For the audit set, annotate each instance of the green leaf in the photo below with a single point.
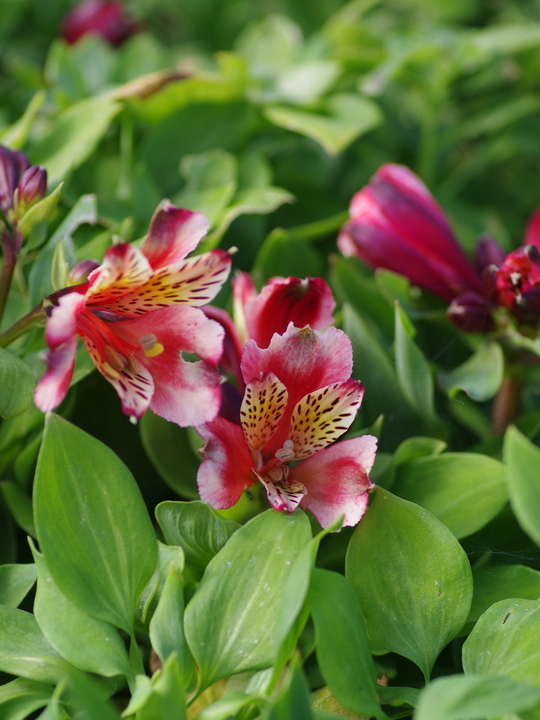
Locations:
(84, 211)
(16, 385)
(472, 697)
(283, 255)
(416, 447)
(342, 644)
(168, 447)
(480, 377)
(19, 698)
(25, 651)
(231, 621)
(167, 628)
(464, 490)
(150, 595)
(20, 506)
(42, 210)
(294, 702)
(504, 641)
(15, 136)
(73, 136)
(196, 527)
(87, 696)
(92, 524)
(347, 117)
(412, 578)
(413, 371)
(165, 697)
(15, 583)
(522, 459)
(498, 582)
(87, 643)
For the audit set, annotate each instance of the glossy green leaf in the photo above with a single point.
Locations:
(149, 598)
(167, 446)
(471, 697)
(504, 641)
(19, 698)
(522, 459)
(20, 506)
(16, 385)
(412, 578)
(231, 622)
(480, 376)
(83, 495)
(15, 583)
(413, 371)
(87, 643)
(464, 490)
(88, 698)
(342, 644)
(24, 650)
(294, 702)
(167, 628)
(196, 527)
(498, 582)
(347, 117)
(73, 136)
(165, 697)
(417, 447)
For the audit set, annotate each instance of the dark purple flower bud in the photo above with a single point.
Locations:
(106, 18)
(81, 271)
(488, 252)
(397, 225)
(32, 187)
(472, 313)
(12, 165)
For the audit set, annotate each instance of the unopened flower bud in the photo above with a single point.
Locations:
(31, 188)
(12, 165)
(488, 252)
(106, 18)
(81, 271)
(472, 313)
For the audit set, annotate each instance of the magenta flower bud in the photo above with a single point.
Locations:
(472, 313)
(488, 252)
(397, 225)
(106, 18)
(32, 187)
(80, 272)
(12, 165)
(517, 284)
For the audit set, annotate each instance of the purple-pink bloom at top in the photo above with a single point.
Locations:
(136, 313)
(106, 18)
(299, 398)
(396, 224)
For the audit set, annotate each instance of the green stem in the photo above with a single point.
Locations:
(35, 318)
(9, 258)
(319, 228)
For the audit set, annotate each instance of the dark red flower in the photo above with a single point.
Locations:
(105, 18)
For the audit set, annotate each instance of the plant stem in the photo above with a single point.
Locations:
(35, 318)
(9, 258)
(506, 405)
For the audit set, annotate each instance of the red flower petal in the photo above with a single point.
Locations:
(173, 234)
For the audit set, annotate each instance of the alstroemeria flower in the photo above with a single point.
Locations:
(396, 224)
(136, 314)
(299, 399)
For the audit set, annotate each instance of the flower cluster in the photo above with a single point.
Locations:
(397, 225)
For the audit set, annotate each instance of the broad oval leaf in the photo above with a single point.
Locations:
(504, 641)
(523, 461)
(480, 376)
(87, 643)
(92, 524)
(412, 578)
(20, 697)
(16, 385)
(231, 621)
(464, 490)
(196, 527)
(499, 582)
(24, 650)
(470, 697)
(342, 643)
(15, 583)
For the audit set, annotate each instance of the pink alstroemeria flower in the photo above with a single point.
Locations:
(136, 314)
(299, 399)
